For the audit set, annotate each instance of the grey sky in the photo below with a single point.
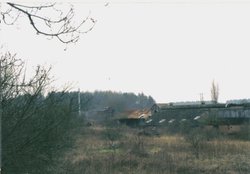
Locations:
(171, 51)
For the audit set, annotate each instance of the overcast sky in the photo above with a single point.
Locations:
(171, 51)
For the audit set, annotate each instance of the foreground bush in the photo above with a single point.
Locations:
(34, 126)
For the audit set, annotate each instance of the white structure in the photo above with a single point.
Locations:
(183, 120)
(162, 120)
(171, 121)
(150, 120)
(197, 117)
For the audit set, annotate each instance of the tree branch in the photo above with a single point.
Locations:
(67, 32)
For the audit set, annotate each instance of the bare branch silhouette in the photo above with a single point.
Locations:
(63, 27)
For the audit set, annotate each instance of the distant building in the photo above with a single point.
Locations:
(184, 103)
(227, 113)
(137, 117)
(100, 115)
(238, 101)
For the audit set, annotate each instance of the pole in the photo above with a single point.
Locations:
(202, 98)
(79, 102)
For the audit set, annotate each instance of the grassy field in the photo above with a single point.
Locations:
(98, 149)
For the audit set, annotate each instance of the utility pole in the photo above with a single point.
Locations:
(79, 102)
(202, 98)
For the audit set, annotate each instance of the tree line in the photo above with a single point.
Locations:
(119, 101)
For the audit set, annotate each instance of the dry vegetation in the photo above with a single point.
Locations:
(125, 150)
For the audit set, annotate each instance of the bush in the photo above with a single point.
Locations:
(245, 131)
(196, 139)
(112, 135)
(33, 126)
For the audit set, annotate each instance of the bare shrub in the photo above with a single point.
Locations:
(138, 146)
(112, 135)
(245, 131)
(34, 126)
(196, 139)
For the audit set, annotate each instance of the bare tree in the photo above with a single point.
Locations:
(214, 92)
(48, 20)
(30, 122)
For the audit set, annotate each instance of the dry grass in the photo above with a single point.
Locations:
(132, 153)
